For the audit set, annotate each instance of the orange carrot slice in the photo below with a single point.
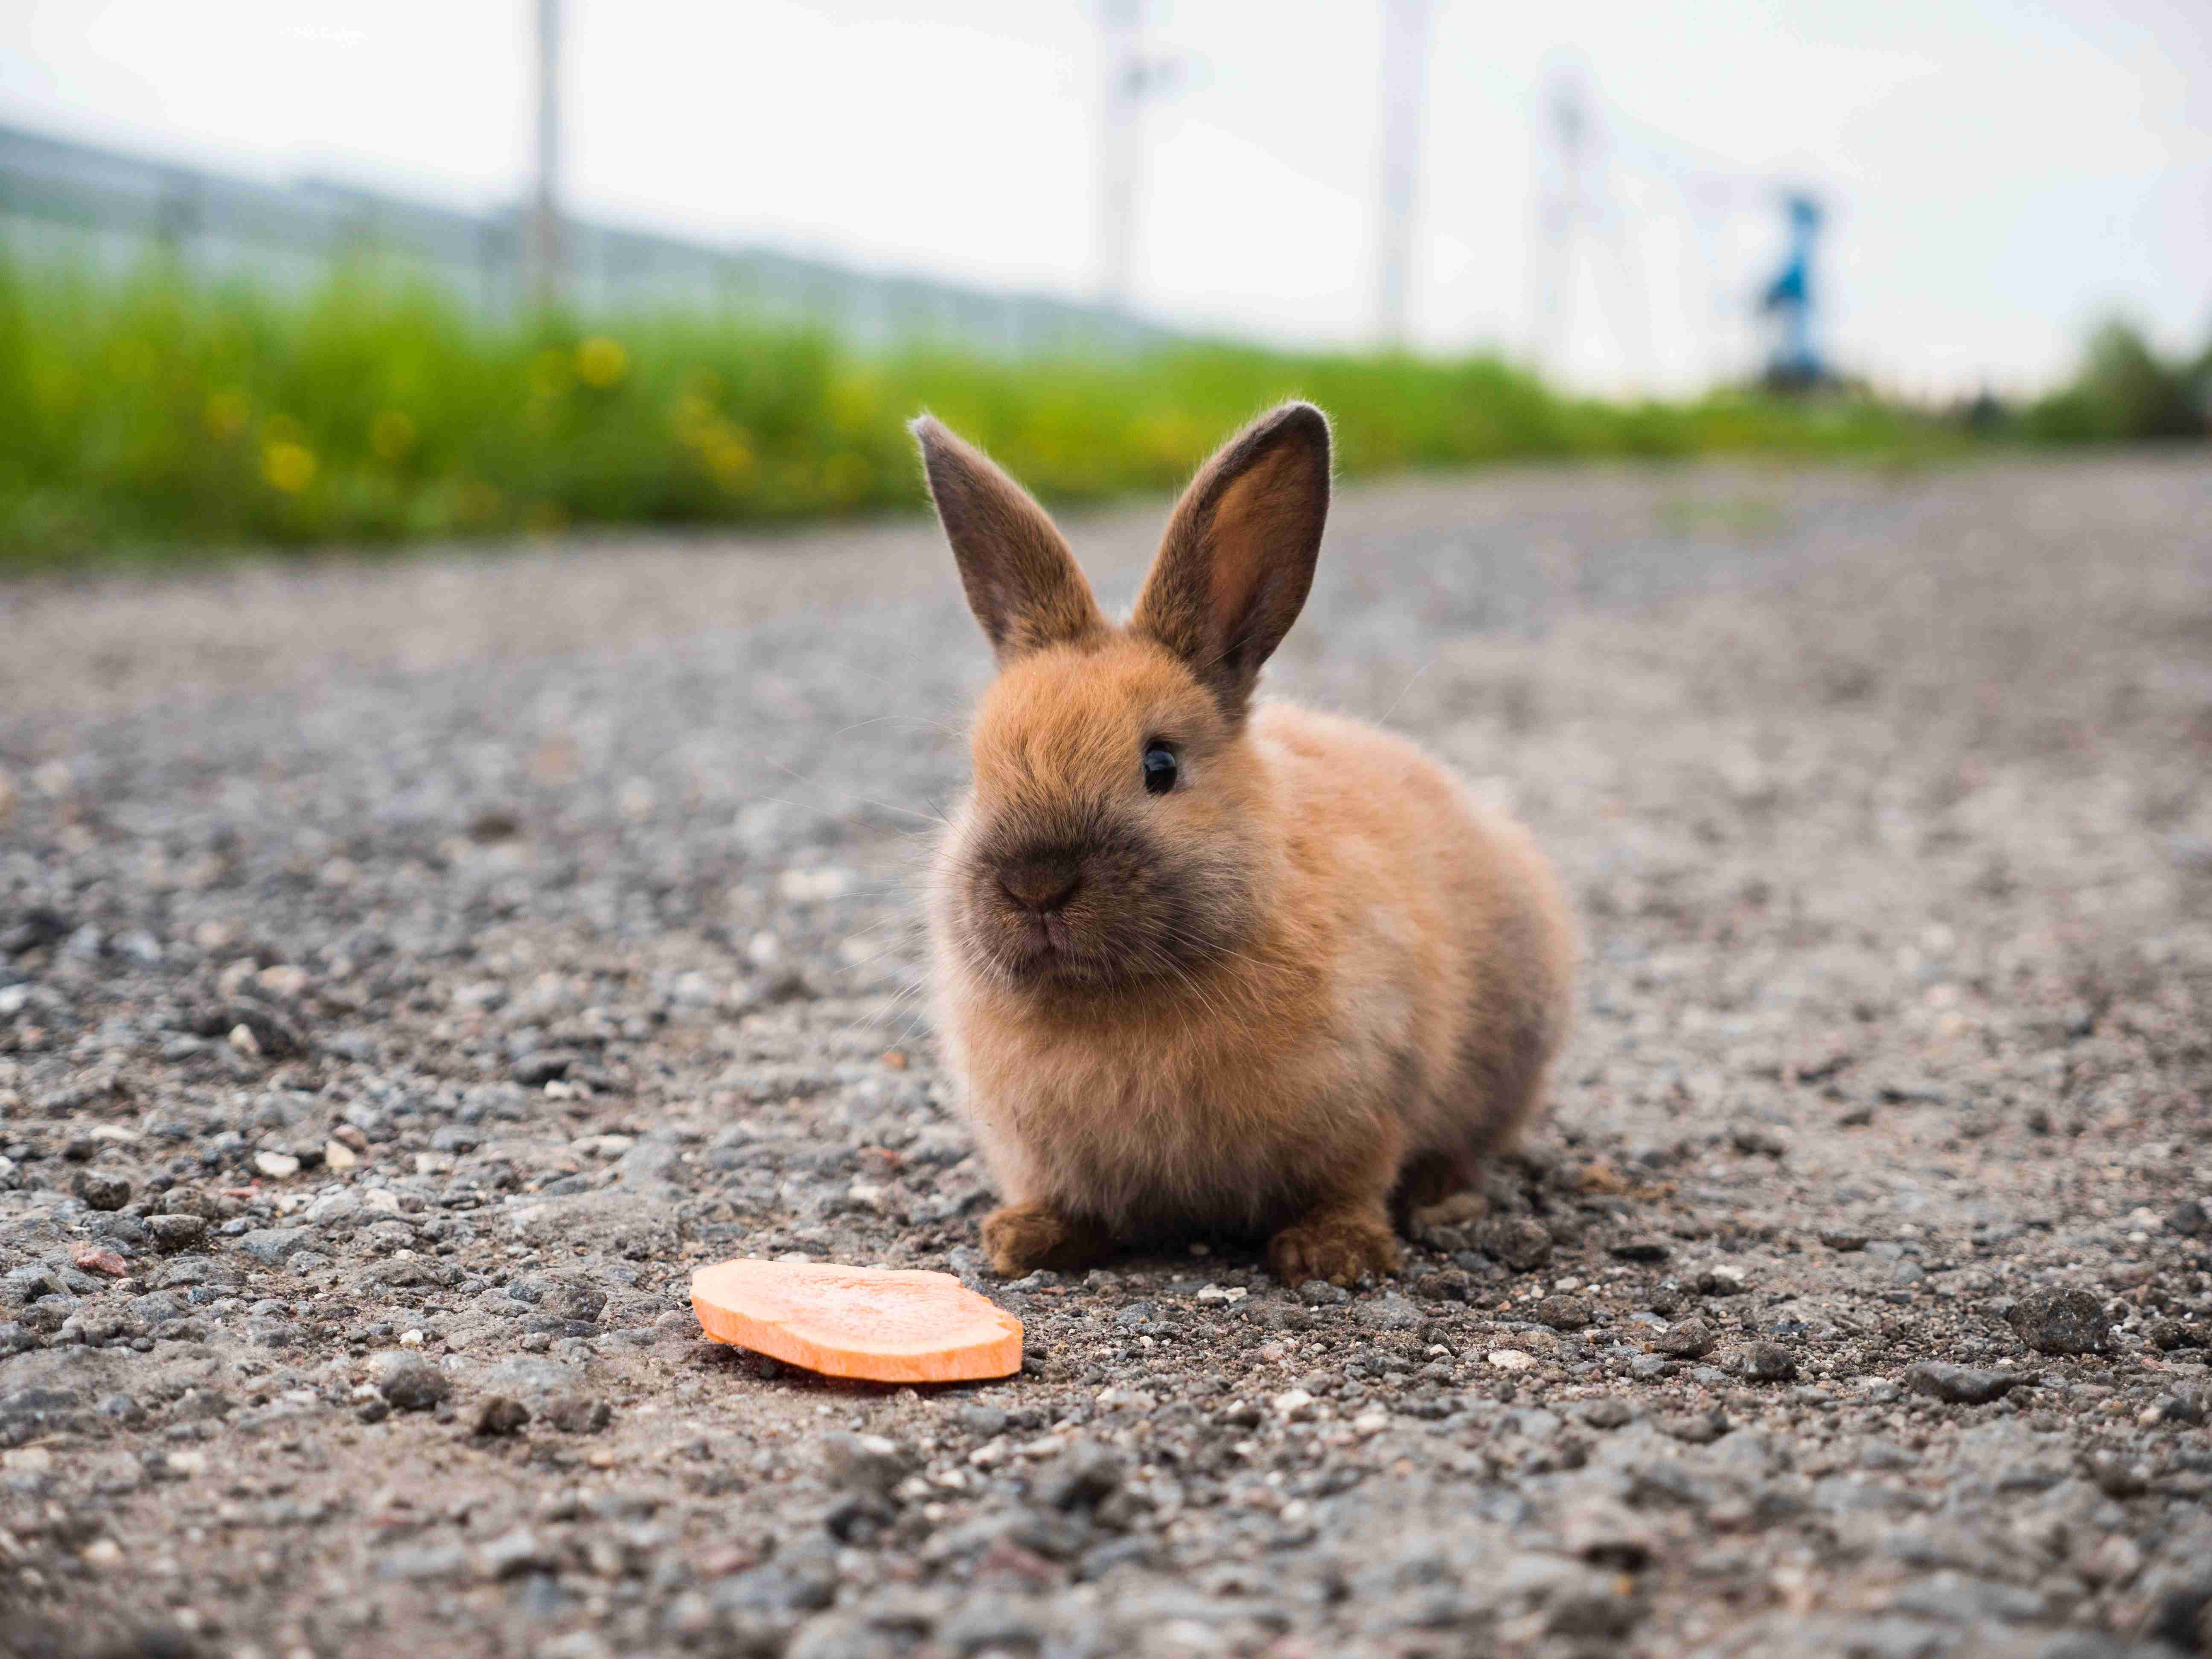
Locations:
(889, 1325)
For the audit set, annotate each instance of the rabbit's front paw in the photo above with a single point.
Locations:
(1023, 1237)
(1338, 1246)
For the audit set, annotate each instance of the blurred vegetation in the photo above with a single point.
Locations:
(2125, 392)
(159, 416)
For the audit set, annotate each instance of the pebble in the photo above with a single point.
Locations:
(502, 1414)
(1522, 1245)
(408, 1382)
(101, 1191)
(1687, 1339)
(1084, 1476)
(277, 1166)
(176, 1233)
(2066, 1320)
(1765, 1361)
(273, 1244)
(1511, 1359)
(1960, 1385)
(1562, 1313)
(866, 1463)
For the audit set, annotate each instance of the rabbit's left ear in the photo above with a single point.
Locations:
(1238, 557)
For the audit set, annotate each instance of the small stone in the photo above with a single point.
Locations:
(514, 1552)
(1564, 1313)
(1960, 1385)
(2167, 1335)
(1606, 1414)
(1765, 1361)
(2189, 1218)
(1727, 1280)
(101, 1191)
(339, 1156)
(866, 1463)
(578, 1414)
(106, 1263)
(1752, 1141)
(103, 1554)
(1605, 1534)
(1843, 1243)
(1522, 1245)
(1642, 1250)
(174, 1232)
(409, 1381)
(1689, 1338)
(1511, 1359)
(277, 1166)
(2117, 1478)
(1314, 1293)
(1388, 1312)
(1084, 1476)
(1699, 1429)
(2189, 1407)
(2065, 1321)
(273, 1244)
(502, 1414)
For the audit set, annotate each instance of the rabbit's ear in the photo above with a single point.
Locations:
(1238, 557)
(1023, 583)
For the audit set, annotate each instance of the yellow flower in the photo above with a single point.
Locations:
(601, 361)
(693, 419)
(226, 415)
(289, 467)
(391, 434)
(731, 458)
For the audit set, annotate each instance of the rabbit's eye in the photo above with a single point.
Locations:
(1160, 767)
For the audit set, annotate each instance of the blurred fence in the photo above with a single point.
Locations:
(82, 204)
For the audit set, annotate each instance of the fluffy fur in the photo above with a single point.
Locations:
(1314, 983)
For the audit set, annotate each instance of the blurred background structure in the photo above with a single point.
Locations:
(1604, 228)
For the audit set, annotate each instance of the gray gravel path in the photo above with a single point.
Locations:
(408, 972)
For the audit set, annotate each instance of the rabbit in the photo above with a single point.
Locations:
(1205, 969)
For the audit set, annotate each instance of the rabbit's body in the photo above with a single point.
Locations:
(1309, 979)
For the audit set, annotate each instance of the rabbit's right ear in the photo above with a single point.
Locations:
(1023, 584)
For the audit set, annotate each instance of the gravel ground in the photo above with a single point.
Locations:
(409, 972)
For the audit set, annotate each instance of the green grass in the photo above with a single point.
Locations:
(162, 417)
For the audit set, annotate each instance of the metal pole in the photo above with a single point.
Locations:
(1122, 103)
(1405, 85)
(548, 284)
(1561, 211)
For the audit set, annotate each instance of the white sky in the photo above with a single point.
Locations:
(2004, 172)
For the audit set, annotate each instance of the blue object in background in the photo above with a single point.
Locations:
(1790, 298)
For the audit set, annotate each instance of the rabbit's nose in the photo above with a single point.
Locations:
(1041, 885)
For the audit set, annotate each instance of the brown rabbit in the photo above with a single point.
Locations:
(1205, 969)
